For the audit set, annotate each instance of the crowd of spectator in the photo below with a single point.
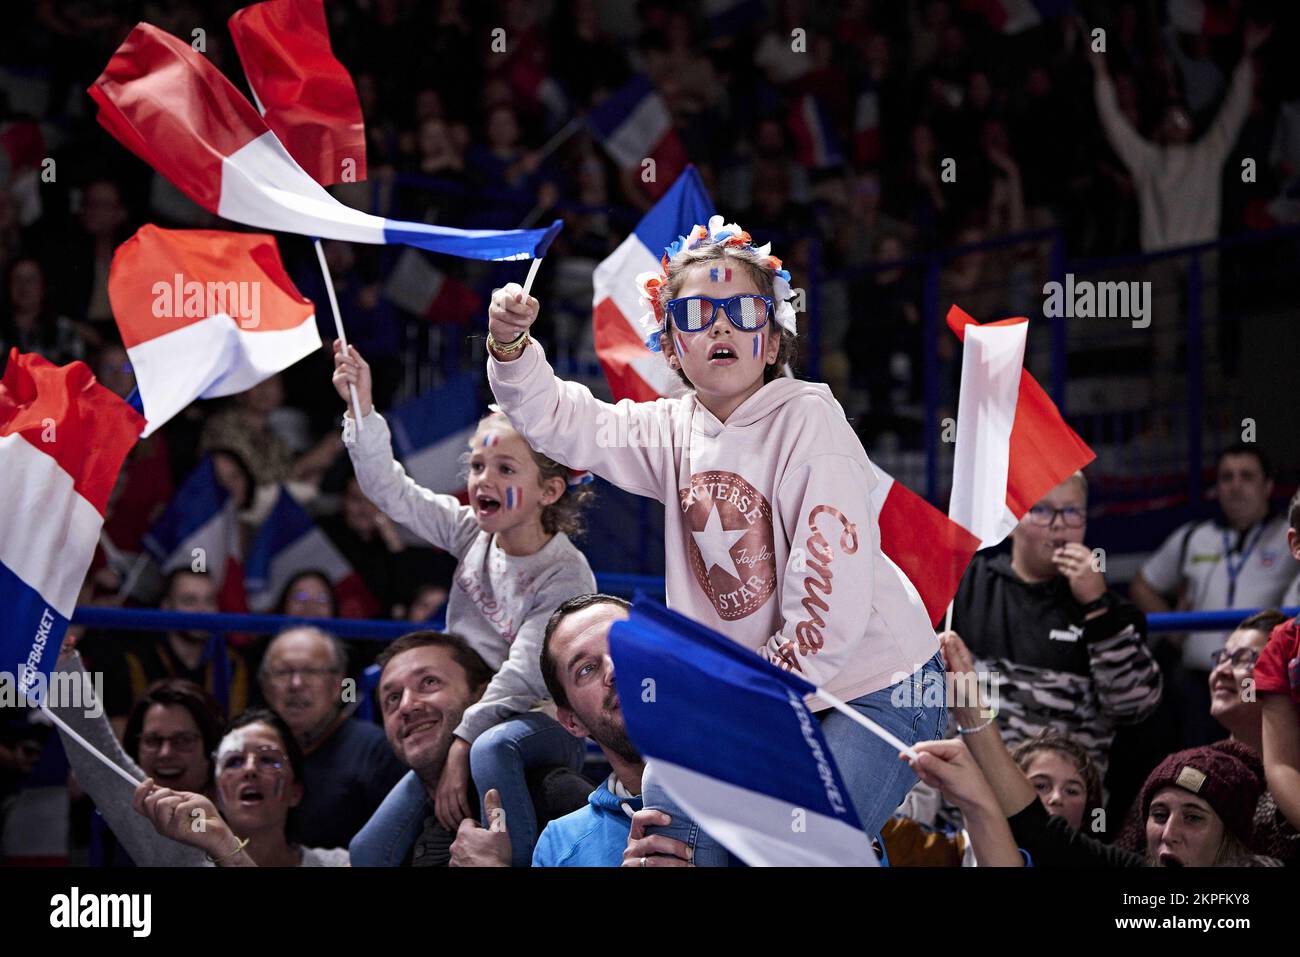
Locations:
(1102, 715)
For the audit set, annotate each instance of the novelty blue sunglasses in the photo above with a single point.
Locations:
(748, 313)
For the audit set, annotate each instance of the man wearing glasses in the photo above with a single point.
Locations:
(1061, 649)
(348, 767)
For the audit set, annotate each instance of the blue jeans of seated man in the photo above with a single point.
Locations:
(389, 835)
(875, 777)
(500, 758)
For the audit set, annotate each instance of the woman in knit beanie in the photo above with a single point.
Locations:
(1199, 809)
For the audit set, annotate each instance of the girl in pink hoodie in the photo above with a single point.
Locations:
(769, 531)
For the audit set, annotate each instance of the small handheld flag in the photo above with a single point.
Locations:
(763, 760)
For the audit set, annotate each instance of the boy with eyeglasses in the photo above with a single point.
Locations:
(1063, 651)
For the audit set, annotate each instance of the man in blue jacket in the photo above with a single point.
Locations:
(610, 830)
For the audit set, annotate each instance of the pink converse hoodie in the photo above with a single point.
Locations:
(768, 526)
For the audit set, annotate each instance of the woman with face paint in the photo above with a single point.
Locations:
(258, 780)
(516, 563)
(196, 821)
(769, 529)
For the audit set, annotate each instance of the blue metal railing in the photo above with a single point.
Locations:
(220, 625)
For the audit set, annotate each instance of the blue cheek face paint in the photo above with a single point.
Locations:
(755, 345)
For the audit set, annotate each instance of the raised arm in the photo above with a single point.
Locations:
(631, 444)
(1013, 790)
(439, 519)
(1137, 153)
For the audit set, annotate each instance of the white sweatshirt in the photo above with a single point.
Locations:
(499, 603)
(768, 526)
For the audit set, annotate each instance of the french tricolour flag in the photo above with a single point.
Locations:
(199, 529)
(432, 431)
(205, 313)
(303, 92)
(634, 125)
(929, 547)
(290, 543)
(1015, 438)
(1016, 16)
(816, 143)
(177, 112)
(733, 742)
(63, 438)
(633, 371)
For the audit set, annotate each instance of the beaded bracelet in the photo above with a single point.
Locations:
(971, 731)
(979, 727)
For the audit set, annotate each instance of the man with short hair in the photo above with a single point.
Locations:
(1240, 560)
(348, 767)
(611, 829)
(1064, 651)
(427, 681)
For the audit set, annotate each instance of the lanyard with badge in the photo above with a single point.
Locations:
(1234, 568)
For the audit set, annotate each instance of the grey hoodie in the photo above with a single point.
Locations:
(499, 603)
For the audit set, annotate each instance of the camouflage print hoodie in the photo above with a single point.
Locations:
(1050, 668)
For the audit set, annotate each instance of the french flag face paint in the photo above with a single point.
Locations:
(491, 439)
(720, 274)
(514, 497)
(682, 347)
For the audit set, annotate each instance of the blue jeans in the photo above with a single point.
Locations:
(876, 778)
(705, 851)
(499, 759)
(389, 835)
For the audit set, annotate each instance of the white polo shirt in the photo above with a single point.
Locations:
(1221, 568)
